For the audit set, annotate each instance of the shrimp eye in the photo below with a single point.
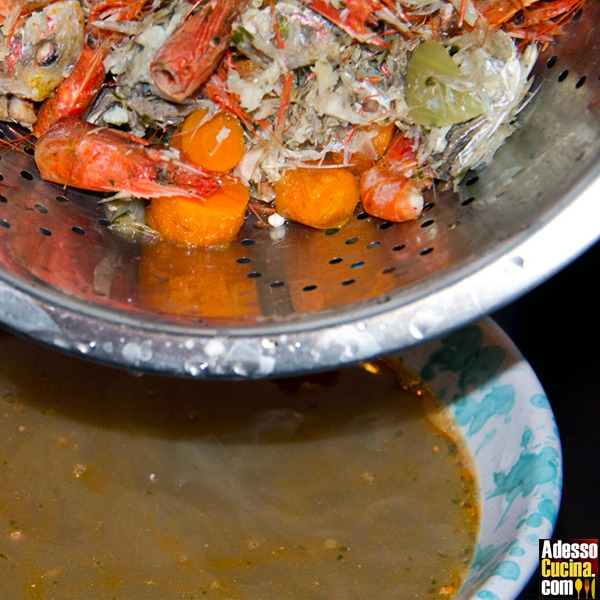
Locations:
(91, 41)
(46, 54)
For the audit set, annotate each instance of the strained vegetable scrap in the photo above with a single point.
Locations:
(396, 94)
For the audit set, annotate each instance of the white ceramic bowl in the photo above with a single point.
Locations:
(506, 418)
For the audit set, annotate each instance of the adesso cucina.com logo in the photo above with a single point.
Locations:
(568, 569)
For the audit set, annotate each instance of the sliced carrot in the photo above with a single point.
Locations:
(216, 144)
(320, 198)
(215, 220)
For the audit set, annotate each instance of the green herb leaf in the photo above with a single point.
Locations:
(437, 93)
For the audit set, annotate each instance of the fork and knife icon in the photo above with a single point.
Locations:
(586, 586)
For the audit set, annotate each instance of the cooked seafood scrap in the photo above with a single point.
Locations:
(325, 52)
(134, 100)
(500, 74)
(158, 69)
(308, 36)
(305, 87)
(341, 88)
(123, 164)
(17, 110)
(195, 49)
(41, 51)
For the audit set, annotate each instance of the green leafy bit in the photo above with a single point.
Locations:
(437, 92)
(239, 34)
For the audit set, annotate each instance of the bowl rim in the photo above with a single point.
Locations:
(501, 572)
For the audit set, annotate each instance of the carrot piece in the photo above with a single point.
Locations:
(216, 144)
(215, 220)
(382, 138)
(320, 198)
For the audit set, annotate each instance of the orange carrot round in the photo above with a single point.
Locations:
(317, 197)
(190, 222)
(216, 144)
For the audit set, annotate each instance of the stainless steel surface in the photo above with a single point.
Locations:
(294, 300)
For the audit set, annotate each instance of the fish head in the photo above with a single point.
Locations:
(42, 50)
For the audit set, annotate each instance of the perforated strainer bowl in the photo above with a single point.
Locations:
(293, 300)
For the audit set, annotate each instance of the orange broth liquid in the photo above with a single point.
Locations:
(347, 485)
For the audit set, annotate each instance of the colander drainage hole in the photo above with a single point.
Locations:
(362, 216)
(78, 230)
(388, 270)
(27, 175)
(564, 74)
(336, 261)
(309, 288)
(551, 61)
(580, 82)
(373, 245)
(61, 199)
(467, 201)
(358, 264)
(254, 275)
(428, 223)
(426, 251)
(352, 240)
(472, 180)
(247, 242)
(104, 222)
(398, 248)
(348, 282)
(41, 209)
(45, 231)
(4, 223)
(3, 199)
(277, 284)
(244, 260)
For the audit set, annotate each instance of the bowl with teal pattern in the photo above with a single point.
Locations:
(505, 417)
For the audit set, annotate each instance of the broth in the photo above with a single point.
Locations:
(345, 485)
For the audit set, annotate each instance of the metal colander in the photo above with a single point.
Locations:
(292, 300)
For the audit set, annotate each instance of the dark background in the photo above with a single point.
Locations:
(557, 328)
